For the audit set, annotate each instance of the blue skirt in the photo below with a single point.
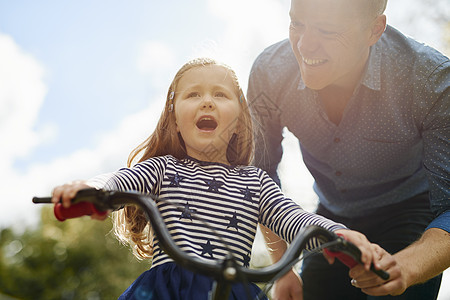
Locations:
(172, 282)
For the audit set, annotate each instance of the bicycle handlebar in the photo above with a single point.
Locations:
(92, 201)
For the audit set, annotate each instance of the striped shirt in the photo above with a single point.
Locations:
(221, 205)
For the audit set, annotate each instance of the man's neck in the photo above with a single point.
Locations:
(334, 100)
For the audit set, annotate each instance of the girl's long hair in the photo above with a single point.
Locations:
(130, 224)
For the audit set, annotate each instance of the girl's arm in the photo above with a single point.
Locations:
(140, 178)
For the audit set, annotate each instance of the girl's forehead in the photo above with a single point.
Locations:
(209, 74)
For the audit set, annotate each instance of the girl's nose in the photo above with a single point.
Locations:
(207, 102)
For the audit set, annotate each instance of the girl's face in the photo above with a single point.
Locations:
(207, 110)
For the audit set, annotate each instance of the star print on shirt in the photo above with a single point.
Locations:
(187, 213)
(208, 249)
(213, 185)
(233, 221)
(243, 172)
(180, 163)
(248, 195)
(246, 260)
(175, 180)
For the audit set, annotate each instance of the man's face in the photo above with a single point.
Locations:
(330, 40)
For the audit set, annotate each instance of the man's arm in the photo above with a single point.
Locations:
(419, 262)
(290, 286)
(430, 256)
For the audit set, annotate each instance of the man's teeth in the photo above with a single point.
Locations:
(312, 61)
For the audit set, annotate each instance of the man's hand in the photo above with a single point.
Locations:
(415, 264)
(373, 285)
(288, 287)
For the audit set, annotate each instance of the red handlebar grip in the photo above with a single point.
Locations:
(344, 258)
(76, 210)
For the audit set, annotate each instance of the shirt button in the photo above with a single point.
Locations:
(338, 173)
(337, 140)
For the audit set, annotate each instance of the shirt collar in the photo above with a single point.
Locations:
(372, 75)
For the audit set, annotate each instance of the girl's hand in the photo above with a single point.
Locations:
(65, 193)
(370, 253)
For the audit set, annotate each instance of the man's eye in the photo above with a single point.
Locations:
(296, 25)
(326, 32)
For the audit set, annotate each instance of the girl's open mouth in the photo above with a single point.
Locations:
(206, 124)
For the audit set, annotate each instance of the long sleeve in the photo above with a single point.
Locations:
(286, 218)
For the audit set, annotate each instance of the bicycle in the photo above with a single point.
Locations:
(225, 272)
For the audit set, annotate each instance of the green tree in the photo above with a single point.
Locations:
(75, 259)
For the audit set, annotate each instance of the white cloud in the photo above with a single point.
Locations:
(154, 56)
(109, 154)
(424, 20)
(22, 93)
(250, 27)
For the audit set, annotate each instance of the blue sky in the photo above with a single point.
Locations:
(89, 51)
(83, 82)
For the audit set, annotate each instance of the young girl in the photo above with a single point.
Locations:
(198, 158)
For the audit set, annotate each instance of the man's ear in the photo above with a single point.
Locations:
(377, 29)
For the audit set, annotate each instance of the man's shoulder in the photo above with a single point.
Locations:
(276, 66)
(401, 49)
(278, 54)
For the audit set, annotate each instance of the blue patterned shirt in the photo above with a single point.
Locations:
(211, 209)
(392, 143)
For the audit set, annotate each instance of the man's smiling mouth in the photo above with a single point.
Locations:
(313, 62)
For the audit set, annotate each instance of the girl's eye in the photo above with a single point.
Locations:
(220, 94)
(193, 95)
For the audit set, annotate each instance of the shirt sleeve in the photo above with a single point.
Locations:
(285, 217)
(441, 222)
(436, 140)
(144, 177)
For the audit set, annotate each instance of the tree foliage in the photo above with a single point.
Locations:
(75, 259)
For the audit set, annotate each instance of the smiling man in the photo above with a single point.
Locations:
(370, 108)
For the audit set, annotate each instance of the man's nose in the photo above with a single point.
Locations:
(307, 42)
